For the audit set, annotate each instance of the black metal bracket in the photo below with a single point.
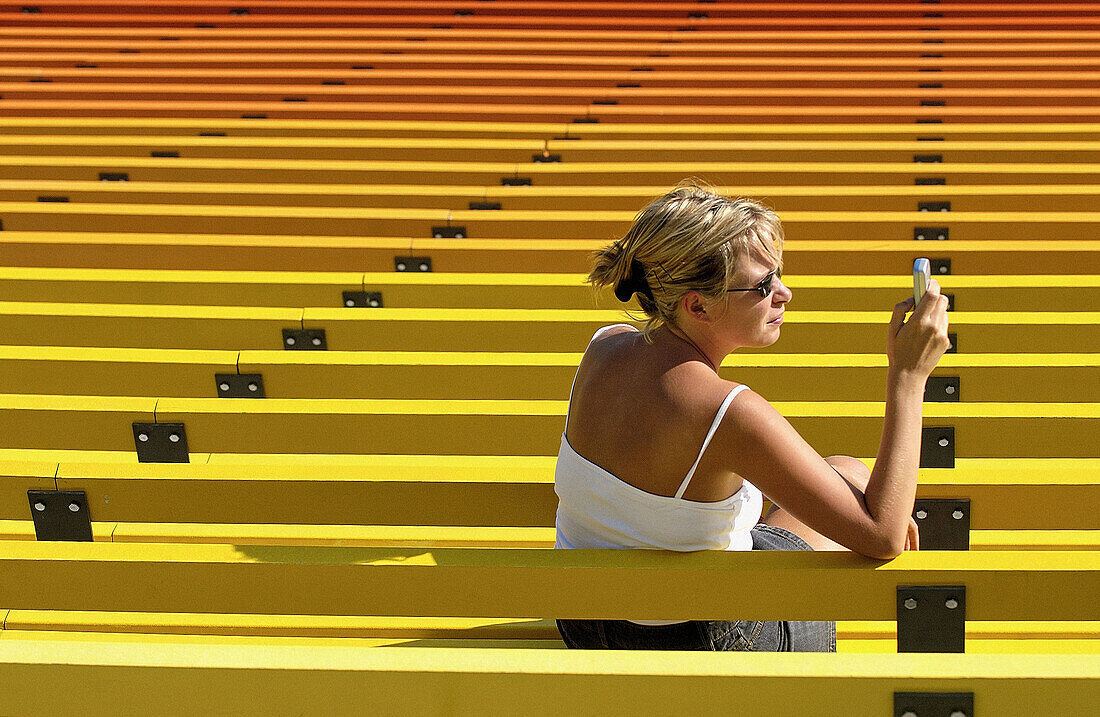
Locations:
(933, 704)
(942, 389)
(60, 515)
(587, 120)
(546, 158)
(114, 177)
(933, 103)
(933, 206)
(929, 181)
(940, 267)
(931, 618)
(240, 385)
(931, 233)
(369, 299)
(412, 263)
(449, 232)
(53, 199)
(937, 447)
(515, 181)
(304, 340)
(952, 343)
(950, 301)
(928, 158)
(944, 523)
(161, 443)
(491, 206)
(165, 154)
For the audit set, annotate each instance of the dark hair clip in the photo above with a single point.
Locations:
(634, 283)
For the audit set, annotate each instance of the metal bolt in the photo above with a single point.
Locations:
(957, 515)
(924, 209)
(940, 237)
(943, 269)
(349, 302)
(459, 235)
(922, 514)
(920, 236)
(74, 507)
(950, 390)
(438, 235)
(290, 341)
(944, 443)
(316, 341)
(401, 266)
(223, 386)
(253, 387)
(909, 713)
(40, 506)
(958, 713)
(374, 302)
(951, 603)
(174, 437)
(423, 267)
(910, 604)
(943, 209)
(143, 437)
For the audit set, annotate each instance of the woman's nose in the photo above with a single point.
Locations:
(782, 292)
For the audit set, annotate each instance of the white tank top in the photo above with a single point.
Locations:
(596, 509)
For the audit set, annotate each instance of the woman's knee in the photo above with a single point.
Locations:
(853, 469)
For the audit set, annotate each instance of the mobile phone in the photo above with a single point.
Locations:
(922, 274)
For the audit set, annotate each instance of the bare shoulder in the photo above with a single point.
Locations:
(614, 330)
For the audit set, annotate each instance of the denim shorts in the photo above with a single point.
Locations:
(713, 635)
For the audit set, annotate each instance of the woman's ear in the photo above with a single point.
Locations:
(694, 307)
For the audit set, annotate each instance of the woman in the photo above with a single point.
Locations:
(658, 450)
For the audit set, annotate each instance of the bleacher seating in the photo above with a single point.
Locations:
(292, 296)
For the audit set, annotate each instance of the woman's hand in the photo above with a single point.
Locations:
(912, 538)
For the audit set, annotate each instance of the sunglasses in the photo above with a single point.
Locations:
(765, 285)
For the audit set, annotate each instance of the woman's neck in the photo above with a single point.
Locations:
(696, 344)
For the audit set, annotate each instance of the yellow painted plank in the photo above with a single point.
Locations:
(481, 490)
(564, 583)
(143, 250)
(151, 326)
(497, 290)
(251, 532)
(116, 372)
(551, 174)
(494, 330)
(1025, 634)
(1055, 430)
(244, 678)
(71, 422)
(562, 329)
(450, 149)
(454, 128)
(513, 224)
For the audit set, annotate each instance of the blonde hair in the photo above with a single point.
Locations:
(690, 239)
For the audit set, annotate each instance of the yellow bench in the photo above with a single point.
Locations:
(492, 330)
(966, 198)
(379, 254)
(184, 373)
(505, 290)
(484, 427)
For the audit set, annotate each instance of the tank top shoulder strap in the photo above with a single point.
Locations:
(710, 434)
(599, 332)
